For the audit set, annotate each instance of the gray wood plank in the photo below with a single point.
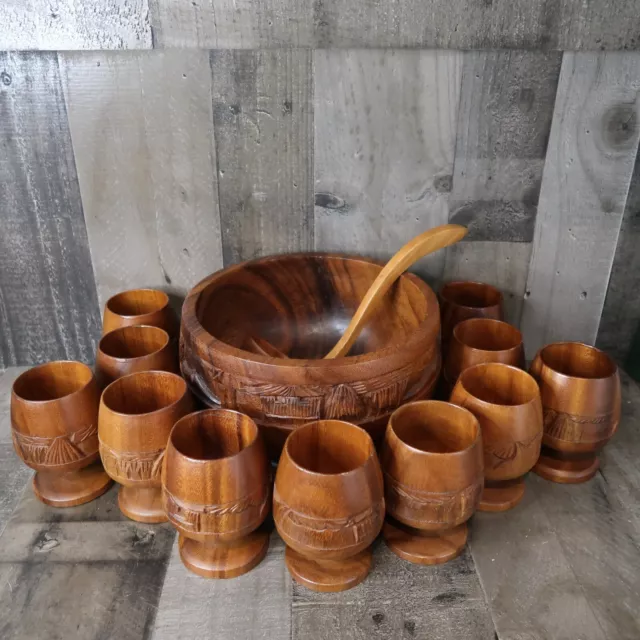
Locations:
(66, 24)
(592, 148)
(263, 114)
(621, 313)
(385, 127)
(449, 24)
(48, 303)
(143, 138)
(256, 606)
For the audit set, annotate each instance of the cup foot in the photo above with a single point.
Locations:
(328, 575)
(501, 496)
(566, 470)
(224, 560)
(419, 547)
(72, 488)
(142, 504)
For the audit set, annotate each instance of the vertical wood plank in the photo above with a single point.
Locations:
(590, 158)
(263, 114)
(48, 303)
(385, 126)
(143, 139)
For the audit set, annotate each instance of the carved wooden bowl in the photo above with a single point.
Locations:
(506, 402)
(301, 304)
(137, 413)
(139, 306)
(432, 465)
(580, 388)
(136, 348)
(216, 492)
(54, 424)
(328, 504)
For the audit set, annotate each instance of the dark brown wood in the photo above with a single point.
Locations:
(137, 413)
(506, 402)
(134, 348)
(301, 304)
(139, 306)
(216, 492)
(328, 504)
(54, 421)
(432, 465)
(580, 389)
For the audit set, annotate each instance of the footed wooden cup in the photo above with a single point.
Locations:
(328, 504)
(54, 424)
(137, 413)
(506, 402)
(432, 464)
(580, 388)
(140, 306)
(216, 492)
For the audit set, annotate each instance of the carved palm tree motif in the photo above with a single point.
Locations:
(53, 451)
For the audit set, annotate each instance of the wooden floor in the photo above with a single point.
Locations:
(564, 564)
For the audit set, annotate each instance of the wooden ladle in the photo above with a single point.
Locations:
(421, 246)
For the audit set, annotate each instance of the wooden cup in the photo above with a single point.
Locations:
(479, 340)
(54, 424)
(580, 388)
(216, 492)
(432, 464)
(140, 306)
(137, 413)
(136, 348)
(506, 402)
(328, 504)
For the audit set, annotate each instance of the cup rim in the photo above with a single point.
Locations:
(126, 328)
(320, 474)
(471, 321)
(589, 347)
(256, 435)
(460, 452)
(136, 315)
(456, 283)
(44, 365)
(155, 373)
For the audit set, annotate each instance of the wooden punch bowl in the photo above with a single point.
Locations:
(301, 304)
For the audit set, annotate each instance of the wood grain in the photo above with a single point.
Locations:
(48, 303)
(385, 126)
(143, 139)
(590, 158)
(66, 24)
(262, 114)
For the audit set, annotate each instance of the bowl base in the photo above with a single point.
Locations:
(567, 470)
(142, 504)
(72, 488)
(421, 547)
(224, 560)
(501, 496)
(328, 575)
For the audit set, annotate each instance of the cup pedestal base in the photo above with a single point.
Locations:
(421, 547)
(501, 496)
(73, 487)
(328, 575)
(224, 560)
(566, 468)
(142, 504)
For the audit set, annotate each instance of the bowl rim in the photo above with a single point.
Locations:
(51, 401)
(191, 322)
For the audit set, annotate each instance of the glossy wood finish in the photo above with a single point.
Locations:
(301, 304)
(328, 504)
(462, 300)
(432, 464)
(479, 340)
(139, 306)
(216, 492)
(54, 422)
(580, 389)
(137, 413)
(135, 348)
(506, 402)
